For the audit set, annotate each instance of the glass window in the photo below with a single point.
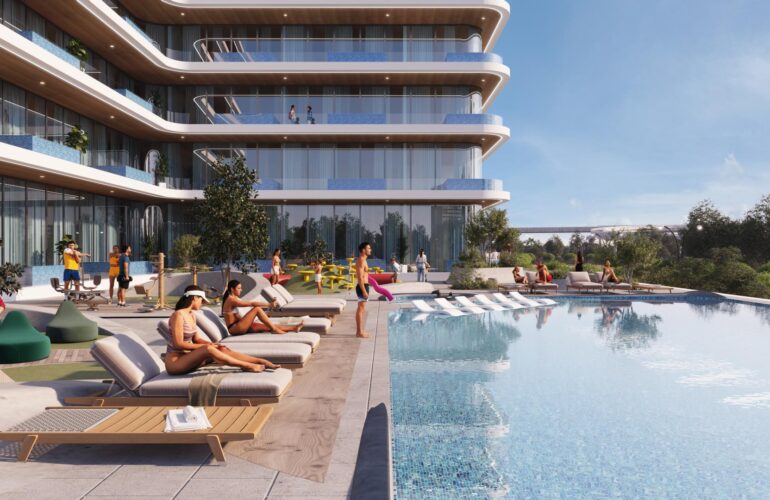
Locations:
(85, 239)
(99, 250)
(270, 163)
(295, 230)
(396, 233)
(346, 230)
(348, 162)
(295, 167)
(54, 217)
(71, 221)
(372, 217)
(14, 213)
(422, 163)
(421, 231)
(35, 225)
(321, 225)
(14, 122)
(273, 228)
(396, 167)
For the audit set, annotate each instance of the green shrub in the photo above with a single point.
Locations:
(465, 278)
(764, 268)
(507, 259)
(559, 270)
(524, 259)
(592, 268)
(764, 278)
(548, 258)
(185, 250)
(490, 284)
(569, 258)
(471, 257)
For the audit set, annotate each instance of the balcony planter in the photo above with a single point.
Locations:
(128, 172)
(44, 146)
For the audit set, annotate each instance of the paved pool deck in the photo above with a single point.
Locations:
(358, 468)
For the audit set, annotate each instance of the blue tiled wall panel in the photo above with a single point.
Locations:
(357, 118)
(54, 49)
(357, 184)
(472, 119)
(44, 146)
(356, 57)
(41, 275)
(129, 172)
(473, 57)
(127, 93)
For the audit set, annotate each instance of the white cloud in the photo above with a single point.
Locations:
(731, 166)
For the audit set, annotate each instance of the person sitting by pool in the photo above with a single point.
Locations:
(608, 273)
(518, 277)
(239, 325)
(543, 274)
(187, 351)
(318, 269)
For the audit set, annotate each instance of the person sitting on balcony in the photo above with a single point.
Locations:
(543, 274)
(238, 325)
(293, 118)
(310, 117)
(608, 273)
(518, 277)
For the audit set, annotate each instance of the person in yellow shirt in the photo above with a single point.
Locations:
(72, 260)
(114, 269)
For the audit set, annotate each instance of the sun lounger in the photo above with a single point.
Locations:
(314, 325)
(286, 354)
(134, 425)
(309, 307)
(617, 286)
(505, 301)
(486, 302)
(525, 300)
(652, 287)
(214, 328)
(423, 306)
(283, 292)
(534, 286)
(446, 305)
(581, 281)
(142, 376)
(512, 286)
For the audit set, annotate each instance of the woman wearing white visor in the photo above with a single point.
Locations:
(187, 351)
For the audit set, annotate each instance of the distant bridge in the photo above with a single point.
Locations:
(600, 231)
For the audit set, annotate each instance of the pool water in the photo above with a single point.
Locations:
(586, 399)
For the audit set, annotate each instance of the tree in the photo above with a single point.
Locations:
(534, 247)
(755, 232)
(555, 246)
(233, 227)
(508, 241)
(316, 252)
(576, 242)
(637, 252)
(707, 228)
(186, 250)
(485, 228)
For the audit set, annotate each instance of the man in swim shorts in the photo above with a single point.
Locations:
(362, 286)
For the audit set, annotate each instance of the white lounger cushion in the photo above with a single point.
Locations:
(578, 277)
(237, 384)
(317, 325)
(283, 292)
(128, 358)
(277, 352)
(311, 305)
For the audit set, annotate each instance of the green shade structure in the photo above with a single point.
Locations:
(69, 325)
(20, 342)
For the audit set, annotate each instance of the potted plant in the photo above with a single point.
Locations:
(10, 278)
(77, 139)
(161, 170)
(77, 49)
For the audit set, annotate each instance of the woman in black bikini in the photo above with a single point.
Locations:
(239, 325)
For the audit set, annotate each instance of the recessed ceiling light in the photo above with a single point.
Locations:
(181, 201)
(483, 139)
(112, 117)
(387, 78)
(181, 14)
(285, 14)
(285, 77)
(181, 77)
(285, 137)
(483, 18)
(42, 176)
(42, 82)
(182, 137)
(483, 80)
(285, 201)
(112, 45)
(387, 201)
(387, 137)
(387, 14)
(112, 190)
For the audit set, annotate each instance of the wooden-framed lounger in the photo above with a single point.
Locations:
(651, 287)
(141, 375)
(134, 425)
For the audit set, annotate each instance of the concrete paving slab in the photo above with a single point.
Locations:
(53, 489)
(206, 489)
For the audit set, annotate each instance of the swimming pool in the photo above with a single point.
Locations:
(589, 398)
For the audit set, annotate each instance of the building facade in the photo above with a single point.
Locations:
(364, 120)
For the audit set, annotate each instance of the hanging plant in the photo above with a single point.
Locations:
(77, 139)
(77, 49)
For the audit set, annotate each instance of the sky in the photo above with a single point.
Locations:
(633, 111)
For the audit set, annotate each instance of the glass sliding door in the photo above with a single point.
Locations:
(396, 233)
(54, 219)
(372, 217)
(321, 225)
(35, 225)
(347, 230)
(14, 224)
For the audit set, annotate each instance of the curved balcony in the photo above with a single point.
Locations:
(344, 109)
(343, 50)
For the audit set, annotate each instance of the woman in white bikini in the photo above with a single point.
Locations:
(275, 269)
(187, 351)
(239, 325)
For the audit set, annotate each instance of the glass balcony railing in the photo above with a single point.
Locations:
(342, 50)
(343, 109)
(358, 184)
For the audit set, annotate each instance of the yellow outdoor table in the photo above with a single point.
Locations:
(350, 260)
(291, 267)
(333, 280)
(306, 274)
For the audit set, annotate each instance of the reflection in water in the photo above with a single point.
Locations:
(707, 310)
(445, 413)
(624, 328)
